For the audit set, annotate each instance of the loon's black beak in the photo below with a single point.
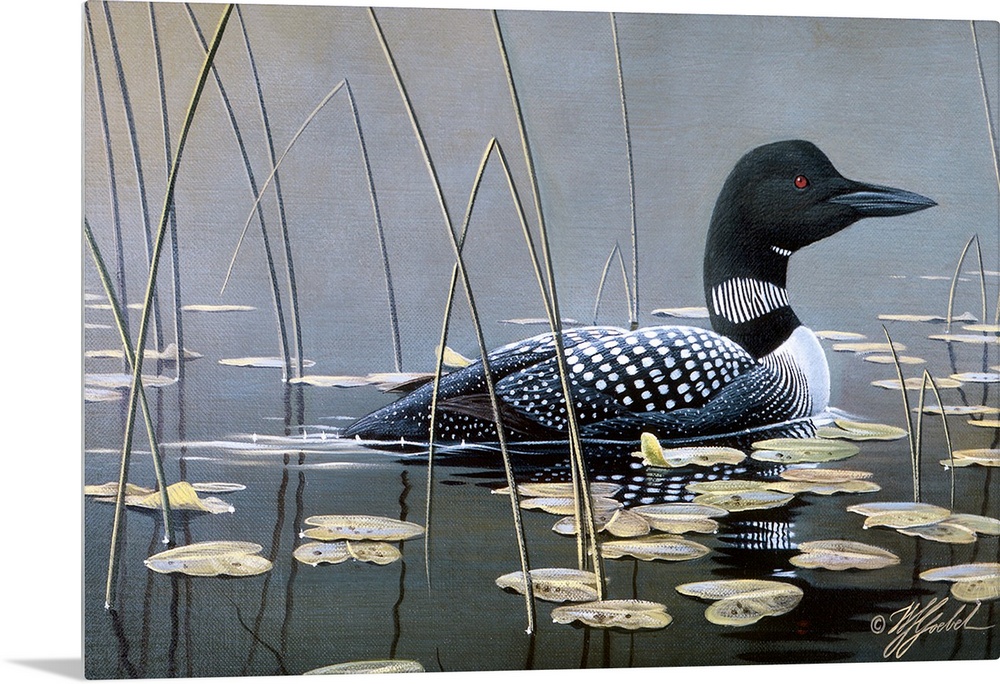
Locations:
(878, 200)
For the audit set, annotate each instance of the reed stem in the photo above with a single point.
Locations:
(463, 274)
(954, 280)
(585, 526)
(147, 301)
(119, 316)
(912, 437)
(604, 277)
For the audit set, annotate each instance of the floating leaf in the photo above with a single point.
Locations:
(682, 312)
(917, 383)
(946, 533)
(168, 354)
(111, 489)
(369, 667)
(358, 527)
(839, 335)
(986, 457)
(962, 573)
(567, 525)
(841, 554)
(652, 511)
(452, 358)
(655, 547)
(554, 584)
(724, 486)
(625, 523)
(980, 524)
(124, 380)
(974, 591)
(809, 450)
(827, 488)
(625, 614)
(823, 475)
(898, 520)
(217, 487)
(262, 362)
(982, 378)
(182, 497)
(986, 423)
(210, 559)
(98, 394)
(966, 338)
(537, 321)
(376, 552)
(560, 489)
(959, 410)
(217, 308)
(386, 382)
(684, 456)
(740, 611)
(889, 359)
(735, 502)
(565, 506)
(856, 431)
(720, 589)
(315, 553)
(868, 347)
(912, 318)
(876, 507)
(983, 328)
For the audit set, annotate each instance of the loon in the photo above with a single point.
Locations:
(759, 366)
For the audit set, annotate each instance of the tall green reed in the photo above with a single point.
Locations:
(583, 512)
(470, 297)
(925, 379)
(252, 182)
(147, 301)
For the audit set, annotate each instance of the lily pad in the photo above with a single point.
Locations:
(859, 432)
(868, 347)
(983, 328)
(630, 614)
(736, 502)
(560, 489)
(985, 423)
(980, 524)
(386, 382)
(369, 667)
(959, 410)
(211, 559)
(823, 475)
(946, 533)
(984, 457)
(217, 487)
(827, 488)
(876, 507)
(262, 362)
(962, 573)
(452, 359)
(626, 524)
(841, 554)
(316, 553)
(554, 584)
(168, 354)
(912, 318)
(974, 591)
(809, 450)
(720, 589)
(965, 338)
(974, 377)
(682, 312)
(686, 456)
(899, 520)
(725, 486)
(666, 547)
(916, 383)
(537, 321)
(359, 527)
(111, 489)
(740, 611)
(567, 525)
(652, 511)
(901, 359)
(99, 394)
(377, 552)
(182, 497)
(124, 380)
(217, 308)
(558, 505)
(839, 335)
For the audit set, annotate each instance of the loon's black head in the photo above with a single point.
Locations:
(778, 199)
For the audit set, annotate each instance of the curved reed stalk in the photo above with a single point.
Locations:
(604, 277)
(119, 316)
(463, 274)
(175, 266)
(911, 436)
(147, 301)
(986, 103)
(110, 158)
(634, 319)
(582, 509)
(293, 293)
(958, 270)
(252, 181)
(137, 163)
(927, 378)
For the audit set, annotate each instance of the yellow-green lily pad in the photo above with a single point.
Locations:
(359, 527)
(211, 559)
(655, 547)
(554, 584)
(736, 502)
(629, 614)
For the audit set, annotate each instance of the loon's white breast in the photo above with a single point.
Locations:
(803, 353)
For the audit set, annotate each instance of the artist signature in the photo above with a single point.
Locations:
(908, 624)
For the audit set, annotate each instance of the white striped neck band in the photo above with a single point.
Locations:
(744, 299)
(781, 250)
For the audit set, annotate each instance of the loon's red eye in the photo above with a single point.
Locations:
(801, 182)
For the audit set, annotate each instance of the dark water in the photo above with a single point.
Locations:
(891, 102)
